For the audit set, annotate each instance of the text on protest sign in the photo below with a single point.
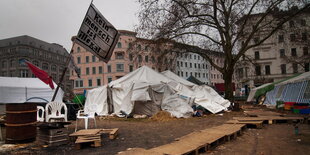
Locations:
(97, 35)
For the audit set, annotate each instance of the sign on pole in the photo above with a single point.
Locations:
(97, 35)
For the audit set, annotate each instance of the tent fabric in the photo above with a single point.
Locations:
(176, 78)
(96, 101)
(296, 78)
(20, 90)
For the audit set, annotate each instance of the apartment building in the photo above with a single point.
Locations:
(129, 54)
(192, 64)
(284, 54)
(50, 57)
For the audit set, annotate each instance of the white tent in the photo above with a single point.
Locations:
(204, 95)
(143, 90)
(20, 90)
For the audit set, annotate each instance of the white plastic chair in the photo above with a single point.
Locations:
(53, 111)
(82, 115)
(40, 114)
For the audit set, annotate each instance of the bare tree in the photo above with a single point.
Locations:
(215, 25)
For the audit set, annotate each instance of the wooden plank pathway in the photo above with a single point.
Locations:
(195, 142)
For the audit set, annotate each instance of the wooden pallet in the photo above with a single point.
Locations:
(90, 137)
(112, 132)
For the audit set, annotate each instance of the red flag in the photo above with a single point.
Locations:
(41, 74)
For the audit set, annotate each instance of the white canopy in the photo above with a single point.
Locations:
(253, 91)
(20, 90)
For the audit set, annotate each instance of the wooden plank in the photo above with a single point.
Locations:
(86, 132)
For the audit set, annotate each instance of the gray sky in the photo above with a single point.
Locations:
(56, 21)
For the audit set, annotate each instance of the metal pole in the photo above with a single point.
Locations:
(63, 74)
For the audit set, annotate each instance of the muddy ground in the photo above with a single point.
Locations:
(146, 133)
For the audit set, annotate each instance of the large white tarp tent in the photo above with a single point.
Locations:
(296, 89)
(145, 91)
(203, 95)
(21, 90)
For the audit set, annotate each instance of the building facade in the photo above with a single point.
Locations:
(284, 54)
(50, 57)
(192, 64)
(129, 54)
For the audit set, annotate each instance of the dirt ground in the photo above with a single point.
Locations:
(146, 133)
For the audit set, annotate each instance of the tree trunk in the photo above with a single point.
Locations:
(228, 84)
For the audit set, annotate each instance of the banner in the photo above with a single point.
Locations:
(97, 35)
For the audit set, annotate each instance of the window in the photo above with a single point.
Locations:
(181, 64)
(4, 63)
(93, 58)
(305, 50)
(291, 24)
(45, 66)
(100, 69)
(81, 83)
(94, 70)
(186, 74)
(87, 59)
(119, 55)
(87, 71)
(129, 45)
(23, 73)
(130, 57)
(153, 59)
(257, 70)
(78, 49)
(304, 36)
(139, 58)
(119, 45)
(295, 68)
(282, 53)
(120, 67)
(186, 65)
(130, 68)
(267, 70)
(283, 69)
(182, 74)
(292, 37)
(146, 58)
(281, 38)
(98, 82)
(53, 68)
(78, 60)
(12, 63)
(307, 68)
(109, 79)
(90, 82)
(195, 65)
(256, 55)
(195, 57)
(178, 63)
(109, 69)
(293, 52)
(190, 65)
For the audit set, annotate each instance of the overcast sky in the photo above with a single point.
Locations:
(56, 21)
